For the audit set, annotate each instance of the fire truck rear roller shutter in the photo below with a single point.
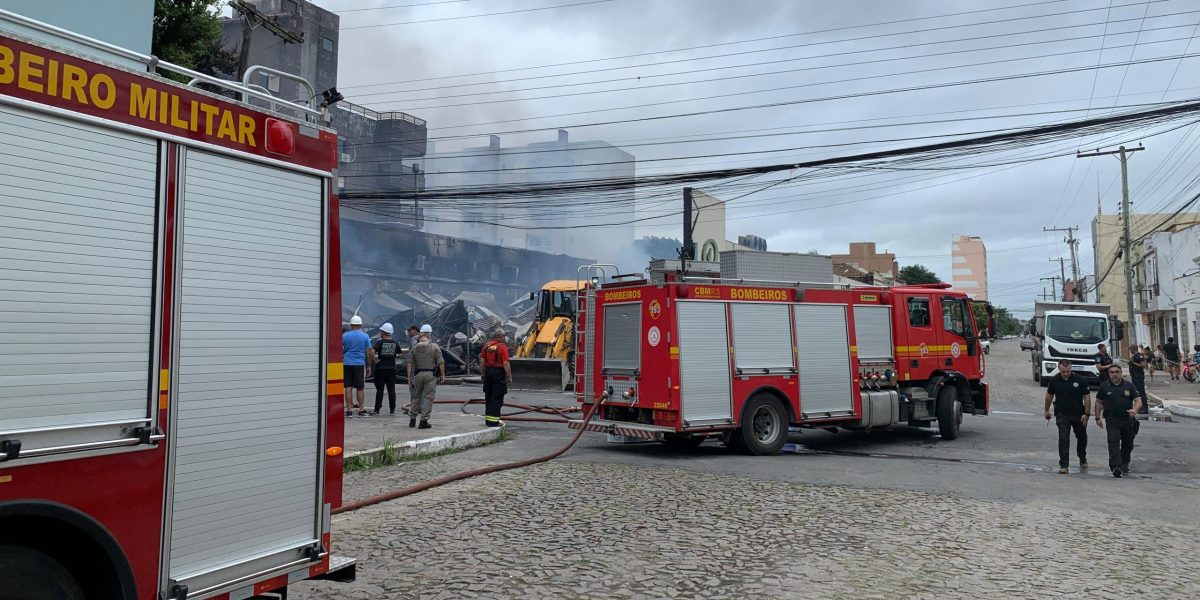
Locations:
(623, 336)
(77, 245)
(761, 340)
(704, 372)
(823, 349)
(247, 450)
(873, 332)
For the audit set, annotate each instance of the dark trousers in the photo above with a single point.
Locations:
(385, 379)
(1121, 432)
(1139, 382)
(1065, 425)
(495, 385)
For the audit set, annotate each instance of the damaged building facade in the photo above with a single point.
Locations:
(393, 267)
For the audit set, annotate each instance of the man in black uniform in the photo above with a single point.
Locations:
(382, 359)
(1118, 401)
(1171, 353)
(1072, 403)
(1102, 361)
(1137, 372)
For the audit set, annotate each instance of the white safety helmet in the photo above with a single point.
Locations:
(427, 328)
(356, 320)
(386, 328)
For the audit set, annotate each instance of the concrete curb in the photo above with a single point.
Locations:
(1175, 409)
(418, 448)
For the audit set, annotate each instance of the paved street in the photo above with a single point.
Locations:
(896, 514)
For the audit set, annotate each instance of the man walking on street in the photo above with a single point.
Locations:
(354, 362)
(1138, 363)
(1102, 361)
(1072, 404)
(423, 360)
(497, 375)
(1171, 354)
(1118, 402)
(382, 360)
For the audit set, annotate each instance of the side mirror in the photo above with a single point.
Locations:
(1118, 329)
(533, 295)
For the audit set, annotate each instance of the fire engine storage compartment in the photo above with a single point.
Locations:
(77, 273)
(705, 387)
(245, 466)
(823, 350)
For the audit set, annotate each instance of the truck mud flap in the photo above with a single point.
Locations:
(540, 374)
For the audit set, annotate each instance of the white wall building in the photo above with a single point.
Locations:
(1168, 286)
(491, 220)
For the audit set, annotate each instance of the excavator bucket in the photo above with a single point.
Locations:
(540, 374)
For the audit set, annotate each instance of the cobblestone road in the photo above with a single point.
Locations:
(563, 530)
(899, 519)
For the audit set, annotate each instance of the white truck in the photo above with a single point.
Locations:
(1071, 330)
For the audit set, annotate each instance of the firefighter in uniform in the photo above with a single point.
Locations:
(423, 361)
(1118, 402)
(1072, 403)
(381, 358)
(497, 374)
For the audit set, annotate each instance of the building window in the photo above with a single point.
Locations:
(327, 44)
(341, 183)
(918, 312)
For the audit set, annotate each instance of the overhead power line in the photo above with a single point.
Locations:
(506, 12)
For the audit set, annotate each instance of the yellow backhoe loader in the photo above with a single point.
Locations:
(545, 358)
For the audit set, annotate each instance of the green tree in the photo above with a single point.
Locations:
(188, 33)
(916, 274)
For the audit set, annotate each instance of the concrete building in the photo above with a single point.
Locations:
(1106, 244)
(864, 256)
(315, 59)
(1164, 278)
(968, 257)
(538, 164)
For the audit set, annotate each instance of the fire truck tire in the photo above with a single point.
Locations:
(31, 575)
(949, 412)
(764, 427)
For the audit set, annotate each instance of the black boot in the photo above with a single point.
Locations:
(412, 422)
(424, 425)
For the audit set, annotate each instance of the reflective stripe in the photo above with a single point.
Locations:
(491, 419)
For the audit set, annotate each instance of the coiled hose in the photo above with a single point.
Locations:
(420, 487)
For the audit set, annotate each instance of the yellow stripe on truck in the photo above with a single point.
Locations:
(334, 372)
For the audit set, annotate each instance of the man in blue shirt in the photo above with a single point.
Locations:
(354, 361)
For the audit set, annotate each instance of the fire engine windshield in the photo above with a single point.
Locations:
(1079, 330)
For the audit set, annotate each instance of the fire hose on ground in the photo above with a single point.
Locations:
(420, 487)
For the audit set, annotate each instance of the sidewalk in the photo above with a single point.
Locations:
(1180, 398)
(451, 429)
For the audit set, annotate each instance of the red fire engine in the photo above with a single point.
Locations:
(170, 372)
(678, 359)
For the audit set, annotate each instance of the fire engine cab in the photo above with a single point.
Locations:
(678, 358)
(170, 372)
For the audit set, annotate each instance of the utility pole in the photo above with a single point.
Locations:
(1072, 245)
(1062, 270)
(1123, 155)
(1053, 283)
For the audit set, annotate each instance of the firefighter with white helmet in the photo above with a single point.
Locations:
(424, 360)
(354, 362)
(381, 359)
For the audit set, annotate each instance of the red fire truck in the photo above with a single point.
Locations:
(679, 359)
(170, 376)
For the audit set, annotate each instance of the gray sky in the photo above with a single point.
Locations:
(911, 213)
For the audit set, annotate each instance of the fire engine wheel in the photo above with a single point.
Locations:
(949, 412)
(31, 575)
(764, 427)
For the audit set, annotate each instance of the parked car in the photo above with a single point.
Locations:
(1028, 344)
(986, 345)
